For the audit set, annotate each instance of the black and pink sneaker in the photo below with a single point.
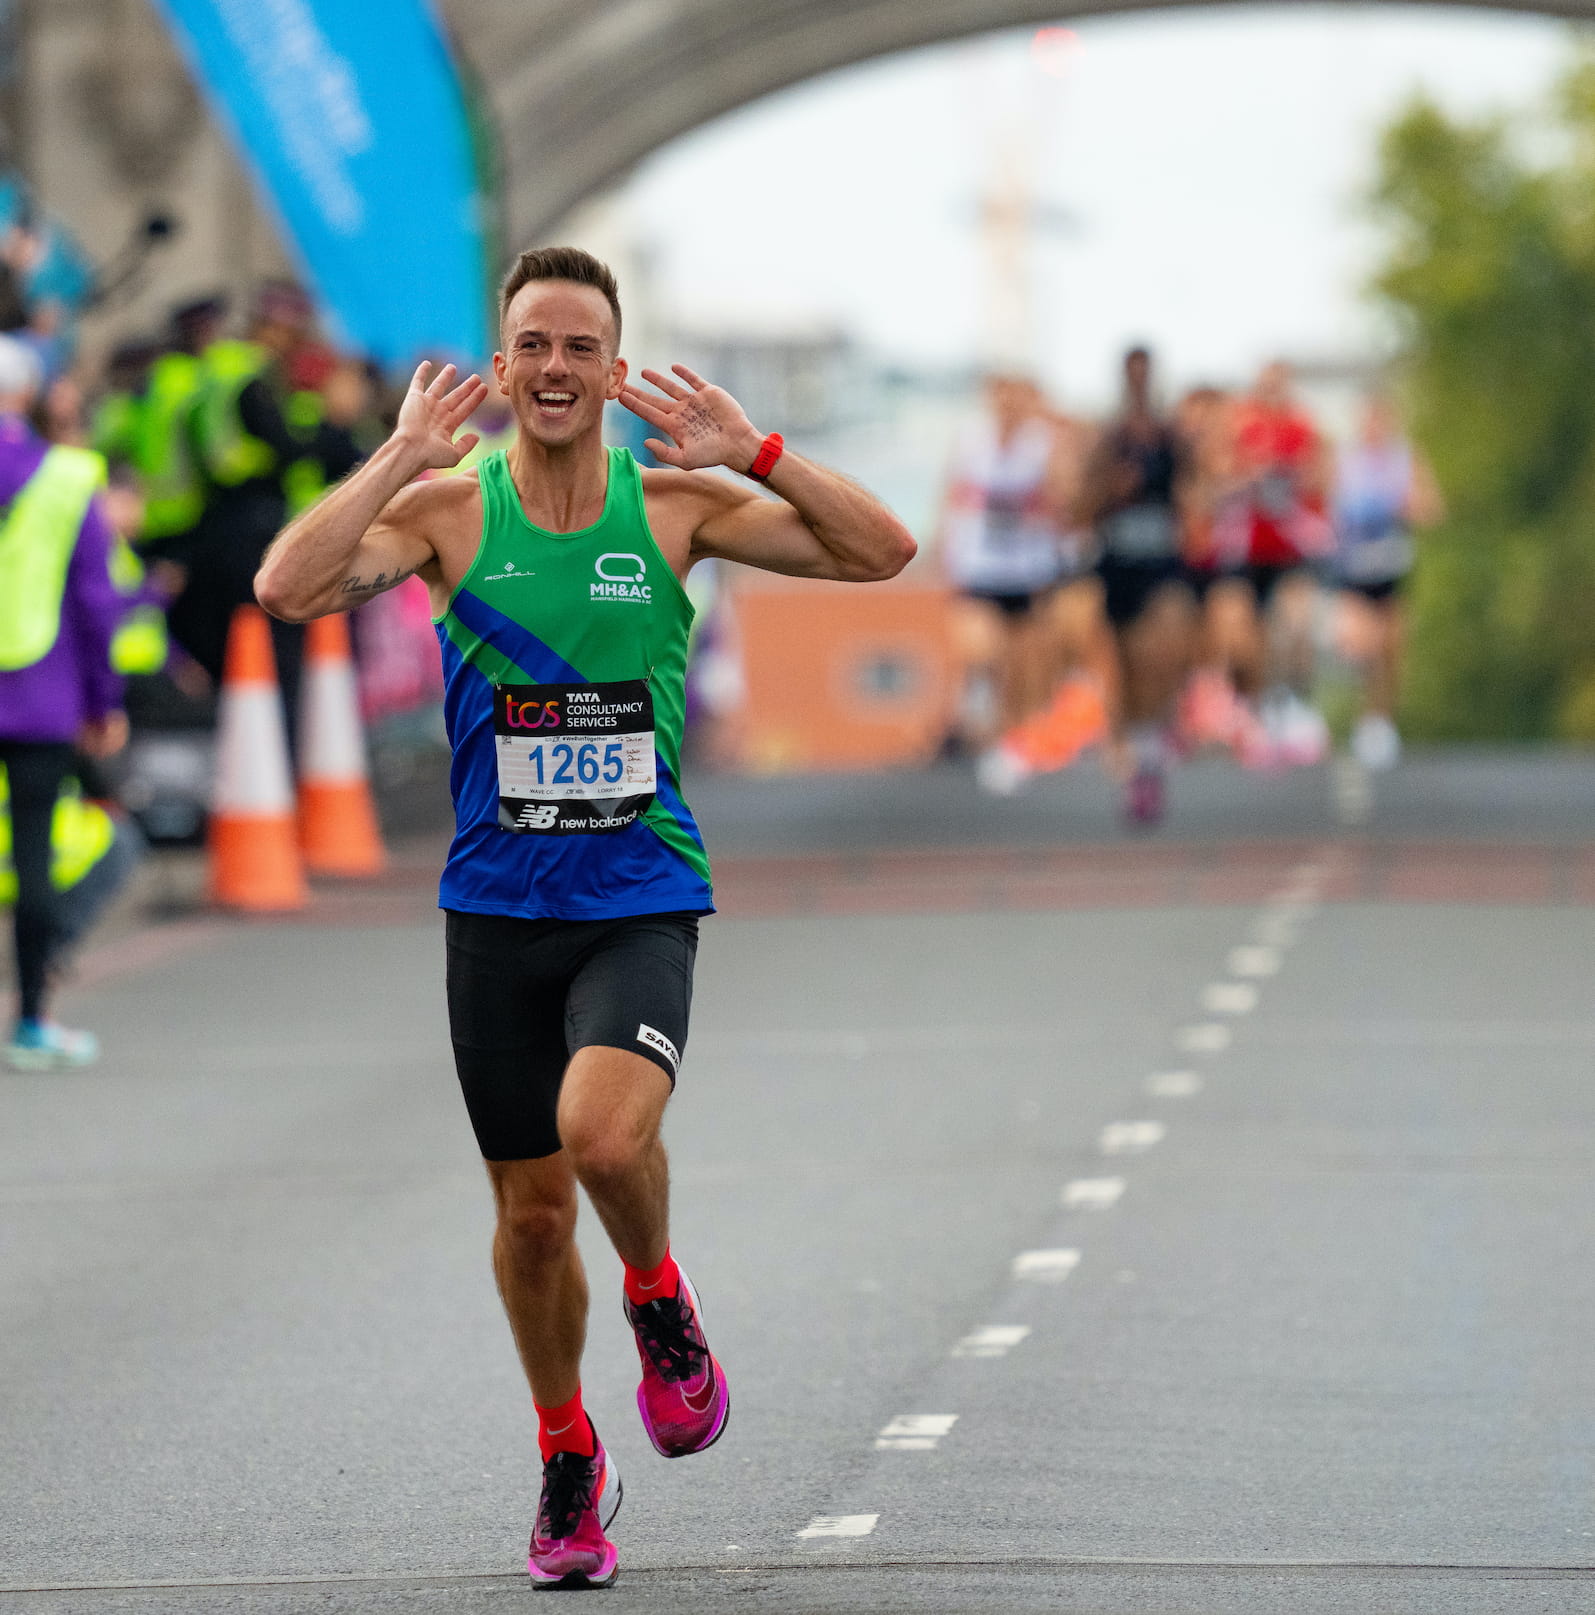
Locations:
(682, 1398)
(581, 1496)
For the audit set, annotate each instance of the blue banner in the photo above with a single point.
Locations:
(351, 115)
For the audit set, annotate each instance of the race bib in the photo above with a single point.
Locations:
(573, 759)
(1005, 521)
(1377, 560)
(1277, 493)
(1141, 533)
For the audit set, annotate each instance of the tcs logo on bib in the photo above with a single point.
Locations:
(620, 577)
(531, 714)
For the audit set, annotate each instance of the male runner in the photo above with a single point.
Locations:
(1130, 495)
(1384, 492)
(1281, 461)
(576, 877)
(1003, 546)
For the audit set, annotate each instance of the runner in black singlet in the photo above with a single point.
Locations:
(1130, 499)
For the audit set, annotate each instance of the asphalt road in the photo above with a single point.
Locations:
(1174, 1277)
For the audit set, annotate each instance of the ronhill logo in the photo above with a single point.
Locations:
(620, 577)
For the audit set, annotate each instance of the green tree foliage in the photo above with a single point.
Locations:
(1490, 271)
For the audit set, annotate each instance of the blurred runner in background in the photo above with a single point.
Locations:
(1383, 493)
(60, 609)
(1002, 547)
(1075, 666)
(1213, 523)
(1281, 463)
(1130, 497)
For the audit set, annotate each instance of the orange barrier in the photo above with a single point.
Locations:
(338, 829)
(841, 676)
(253, 853)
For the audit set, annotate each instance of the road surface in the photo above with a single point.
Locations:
(1196, 1224)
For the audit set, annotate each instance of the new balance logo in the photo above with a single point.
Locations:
(537, 816)
(658, 1040)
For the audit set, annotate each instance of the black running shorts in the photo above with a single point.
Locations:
(1129, 587)
(525, 995)
(1014, 605)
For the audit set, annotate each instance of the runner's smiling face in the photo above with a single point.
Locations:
(559, 366)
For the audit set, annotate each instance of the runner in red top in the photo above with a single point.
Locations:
(1280, 461)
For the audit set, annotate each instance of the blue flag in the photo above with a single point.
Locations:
(351, 114)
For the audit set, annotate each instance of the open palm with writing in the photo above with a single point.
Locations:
(434, 411)
(707, 424)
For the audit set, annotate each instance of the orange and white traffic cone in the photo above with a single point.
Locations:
(254, 855)
(338, 828)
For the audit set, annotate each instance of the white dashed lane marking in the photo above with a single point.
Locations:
(1130, 1138)
(1230, 998)
(914, 1432)
(1254, 962)
(1047, 1267)
(1173, 1084)
(1208, 1037)
(840, 1525)
(1091, 1194)
(1275, 931)
(991, 1340)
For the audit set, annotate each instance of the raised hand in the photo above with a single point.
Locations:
(433, 412)
(706, 423)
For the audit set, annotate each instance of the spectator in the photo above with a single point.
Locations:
(59, 611)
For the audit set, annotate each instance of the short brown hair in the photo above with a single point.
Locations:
(560, 263)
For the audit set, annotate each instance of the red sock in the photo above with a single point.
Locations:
(645, 1284)
(565, 1429)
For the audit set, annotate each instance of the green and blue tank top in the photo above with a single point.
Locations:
(564, 667)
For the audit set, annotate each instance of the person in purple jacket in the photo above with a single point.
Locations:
(59, 608)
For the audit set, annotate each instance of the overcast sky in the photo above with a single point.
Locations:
(1212, 162)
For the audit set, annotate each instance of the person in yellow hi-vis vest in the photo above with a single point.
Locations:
(92, 852)
(60, 609)
(245, 445)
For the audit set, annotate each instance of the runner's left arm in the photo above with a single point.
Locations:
(820, 525)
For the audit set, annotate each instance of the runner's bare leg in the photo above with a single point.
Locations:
(610, 1108)
(539, 1272)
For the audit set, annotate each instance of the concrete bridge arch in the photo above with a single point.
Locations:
(584, 89)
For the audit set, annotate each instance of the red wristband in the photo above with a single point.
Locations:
(764, 461)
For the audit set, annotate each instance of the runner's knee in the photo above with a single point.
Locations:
(603, 1151)
(537, 1228)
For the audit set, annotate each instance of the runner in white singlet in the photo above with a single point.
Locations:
(1383, 492)
(1003, 553)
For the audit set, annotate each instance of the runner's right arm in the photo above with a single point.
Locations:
(366, 536)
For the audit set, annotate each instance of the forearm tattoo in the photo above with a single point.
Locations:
(383, 580)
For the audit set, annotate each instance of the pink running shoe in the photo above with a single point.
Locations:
(682, 1398)
(581, 1496)
(1145, 799)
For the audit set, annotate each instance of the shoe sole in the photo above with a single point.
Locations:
(577, 1583)
(46, 1060)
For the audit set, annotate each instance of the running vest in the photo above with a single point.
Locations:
(1142, 526)
(1000, 537)
(37, 539)
(564, 670)
(1373, 485)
